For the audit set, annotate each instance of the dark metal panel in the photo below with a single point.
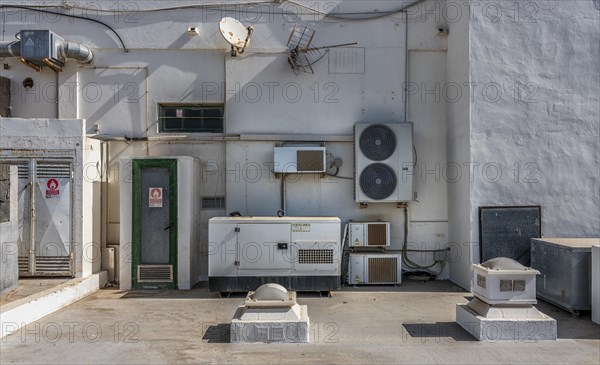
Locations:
(250, 283)
(155, 221)
(507, 232)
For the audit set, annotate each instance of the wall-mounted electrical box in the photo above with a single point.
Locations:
(299, 159)
(369, 234)
(375, 269)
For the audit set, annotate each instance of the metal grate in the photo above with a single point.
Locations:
(512, 285)
(481, 281)
(315, 256)
(46, 265)
(46, 170)
(383, 270)
(23, 264)
(213, 202)
(154, 273)
(377, 234)
(309, 160)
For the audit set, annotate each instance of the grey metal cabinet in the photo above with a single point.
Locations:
(565, 271)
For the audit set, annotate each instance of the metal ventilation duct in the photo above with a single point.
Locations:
(38, 48)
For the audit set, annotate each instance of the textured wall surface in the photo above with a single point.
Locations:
(535, 113)
(9, 267)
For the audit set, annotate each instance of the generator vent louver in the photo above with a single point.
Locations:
(315, 256)
(382, 270)
(154, 273)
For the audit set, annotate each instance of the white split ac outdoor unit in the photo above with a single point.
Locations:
(299, 160)
(383, 157)
(375, 269)
(369, 234)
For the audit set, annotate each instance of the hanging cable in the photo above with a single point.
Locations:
(408, 262)
(39, 10)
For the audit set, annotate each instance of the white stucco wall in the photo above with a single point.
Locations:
(458, 139)
(538, 124)
(541, 134)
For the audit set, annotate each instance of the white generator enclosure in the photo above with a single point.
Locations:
(383, 157)
(375, 268)
(160, 246)
(299, 253)
(369, 234)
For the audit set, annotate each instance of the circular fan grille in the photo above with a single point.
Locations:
(377, 142)
(378, 181)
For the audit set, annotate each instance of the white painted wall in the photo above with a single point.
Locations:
(9, 230)
(458, 140)
(545, 141)
(555, 138)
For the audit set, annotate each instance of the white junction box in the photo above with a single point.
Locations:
(299, 253)
(375, 268)
(596, 284)
(504, 281)
(299, 159)
(369, 234)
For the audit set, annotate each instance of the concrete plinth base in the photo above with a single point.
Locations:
(287, 325)
(492, 323)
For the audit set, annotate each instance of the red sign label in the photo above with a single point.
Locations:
(52, 191)
(155, 198)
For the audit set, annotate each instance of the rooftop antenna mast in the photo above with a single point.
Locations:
(302, 54)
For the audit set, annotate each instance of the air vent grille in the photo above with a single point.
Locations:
(57, 265)
(315, 256)
(377, 234)
(383, 270)
(154, 273)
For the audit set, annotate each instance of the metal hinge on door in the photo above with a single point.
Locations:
(237, 229)
(236, 263)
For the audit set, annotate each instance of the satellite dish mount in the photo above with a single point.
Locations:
(236, 34)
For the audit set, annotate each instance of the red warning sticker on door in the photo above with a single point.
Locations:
(156, 198)
(52, 191)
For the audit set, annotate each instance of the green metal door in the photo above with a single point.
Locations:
(154, 209)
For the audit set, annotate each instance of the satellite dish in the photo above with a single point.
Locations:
(236, 34)
(302, 54)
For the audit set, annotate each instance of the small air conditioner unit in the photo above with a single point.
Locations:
(375, 269)
(383, 157)
(299, 159)
(369, 234)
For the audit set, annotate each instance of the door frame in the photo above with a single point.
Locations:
(136, 229)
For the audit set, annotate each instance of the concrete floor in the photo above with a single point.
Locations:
(413, 323)
(30, 286)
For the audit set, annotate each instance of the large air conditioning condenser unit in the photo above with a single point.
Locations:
(383, 157)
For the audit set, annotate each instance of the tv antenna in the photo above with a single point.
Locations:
(236, 34)
(302, 55)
